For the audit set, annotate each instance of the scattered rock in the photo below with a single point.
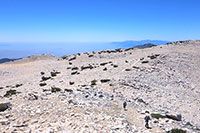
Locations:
(5, 106)
(175, 117)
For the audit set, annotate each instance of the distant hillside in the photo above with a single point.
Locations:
(4, 60)
(131, 43)
(148, 45)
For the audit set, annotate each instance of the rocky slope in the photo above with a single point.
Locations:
(105, 91)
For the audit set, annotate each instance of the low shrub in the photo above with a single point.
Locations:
(105, 80)
(71, 83)
(154, 56)
(76, 72)
(55, 89)
(103, 64)
(157, 116)
(69, 90)
(54, 73)
(177, 131)
(42, 73)
(105, 69)
(87, 67)
(10, 93)
(143, 62)
(73, 58)
(45, 78)
(90, 55)
(115, 66)
(43, 84)
(74, 68)
(18, 85)
(94, 82)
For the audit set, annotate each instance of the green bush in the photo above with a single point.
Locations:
(43, 84)
(18, 85)
(105, 69)
(55, 89)
(177, 131)
(103, 64)
(69, 90)
(86, 67)
(71, 83)
(10, 93)
(54, 73)
(73, 58)
(115, 66)
(42, 73)
(90, 55)
(105, 80)
(157, 116)
(143, 62)
(127, 69)
(45, 78)
(74, 68)
(73, 73)
(94, 82)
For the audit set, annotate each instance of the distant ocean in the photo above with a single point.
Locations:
(21, 50)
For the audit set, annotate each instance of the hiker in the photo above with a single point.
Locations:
(124, 105)
(147, 118)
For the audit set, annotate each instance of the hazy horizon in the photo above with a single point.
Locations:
(91, 25)
(21, 50)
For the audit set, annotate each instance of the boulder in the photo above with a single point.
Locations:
(4, 106)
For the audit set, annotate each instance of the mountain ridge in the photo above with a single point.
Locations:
(104, 91)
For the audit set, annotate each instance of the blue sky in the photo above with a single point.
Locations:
(98, 20)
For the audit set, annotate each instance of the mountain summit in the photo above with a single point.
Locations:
(131, 43)
(154, 90)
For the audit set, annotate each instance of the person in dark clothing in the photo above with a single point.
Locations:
(147, 118)
(124, 105)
